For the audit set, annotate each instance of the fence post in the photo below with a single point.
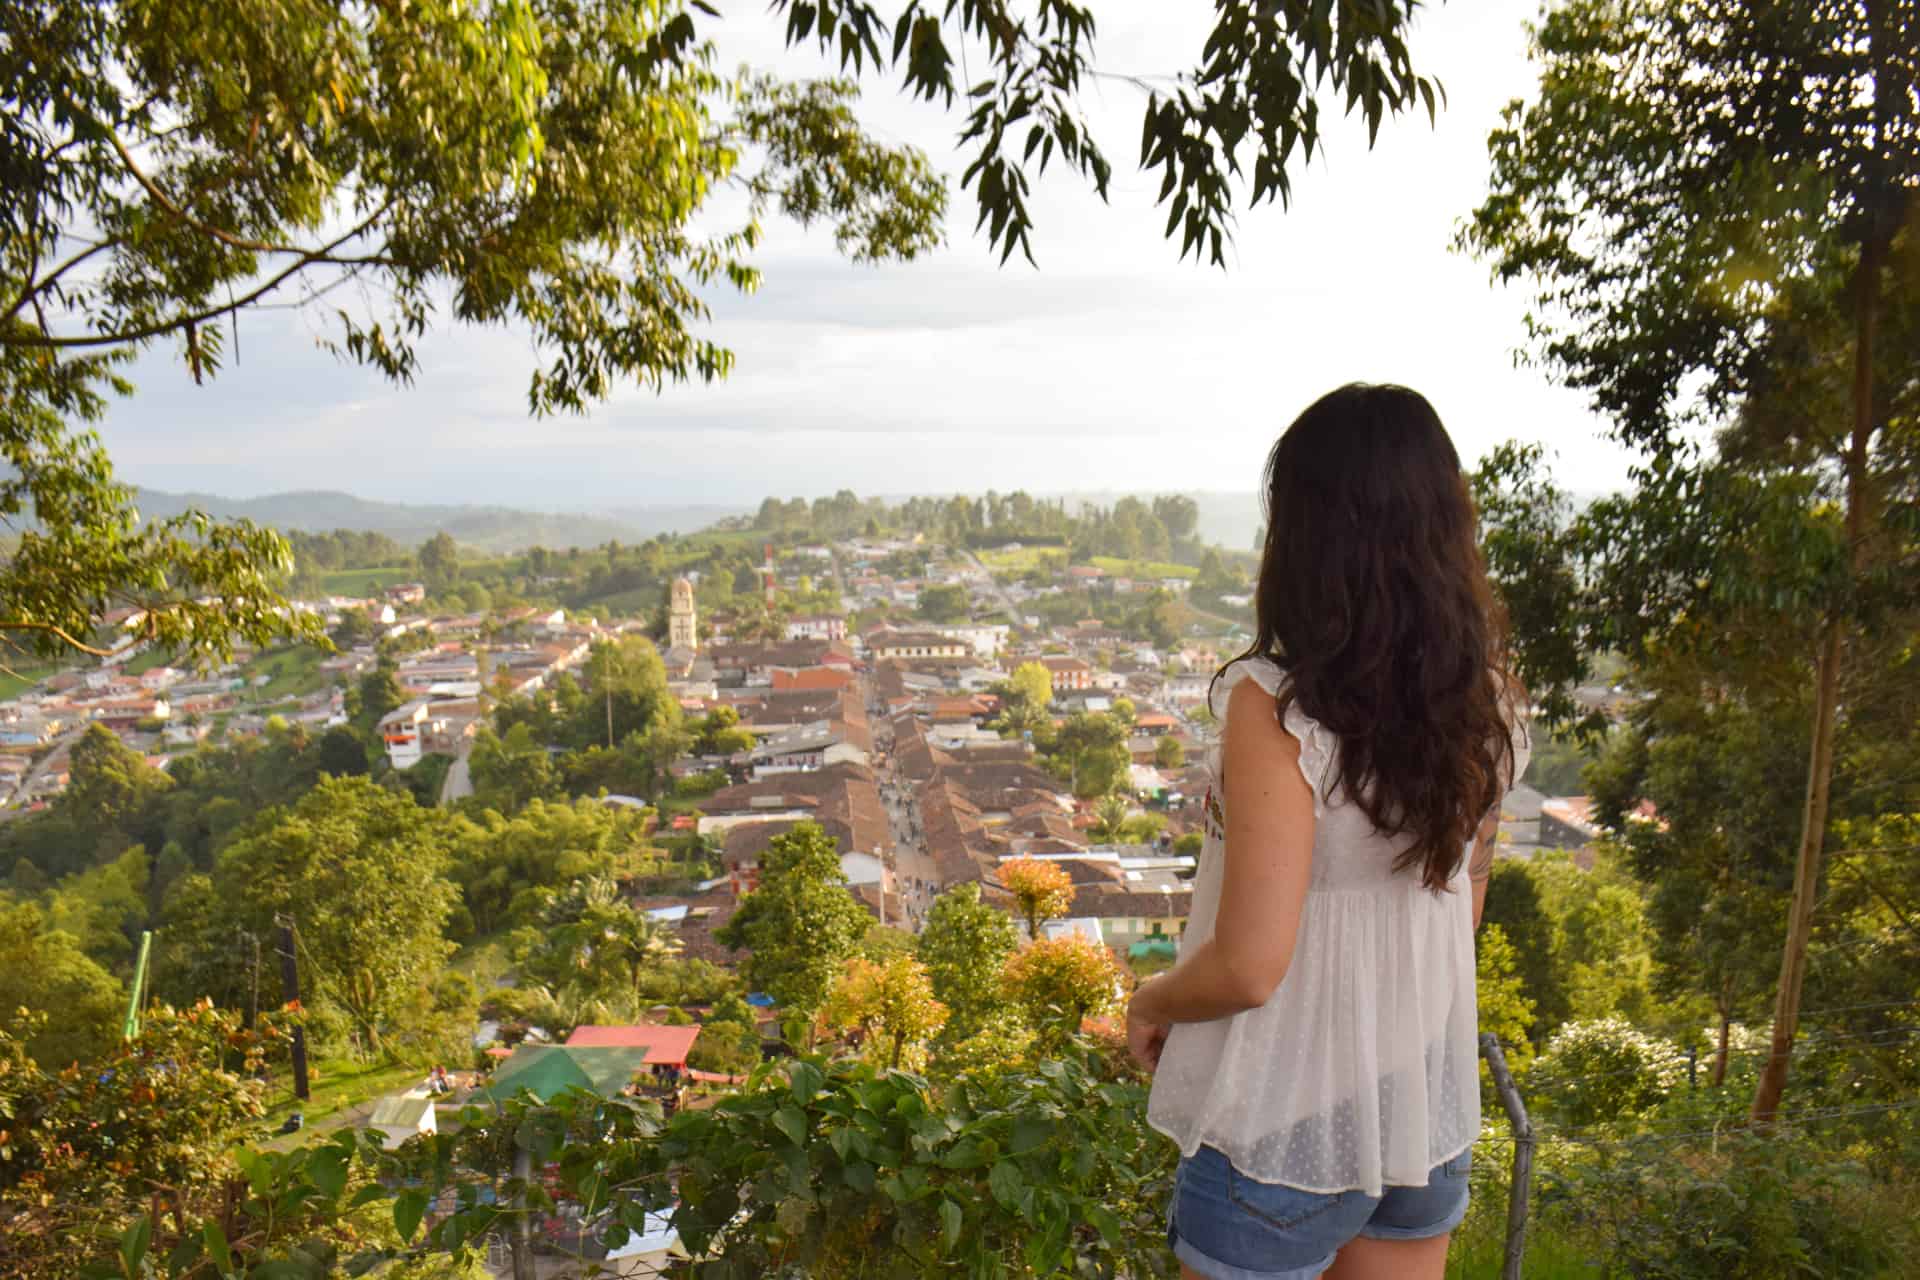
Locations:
(1517, 1192)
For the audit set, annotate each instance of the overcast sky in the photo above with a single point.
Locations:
(1113, 366)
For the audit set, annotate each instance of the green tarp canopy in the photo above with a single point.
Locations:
(548, 1070)
(1154, 945)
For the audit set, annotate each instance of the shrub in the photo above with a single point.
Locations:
(1755, 1207)
(725, 1046)
(1601, 1070)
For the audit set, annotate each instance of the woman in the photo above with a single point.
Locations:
(1314, 1049)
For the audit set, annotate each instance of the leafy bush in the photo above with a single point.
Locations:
(827, 1170)
(1603, 1070)
(1757, 1207)
(841, 1168)
(725, 1046)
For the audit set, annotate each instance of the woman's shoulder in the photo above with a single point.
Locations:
(1318, 747)
(1262, 671)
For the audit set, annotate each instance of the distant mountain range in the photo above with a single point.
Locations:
(1226, 519)
(487, 528)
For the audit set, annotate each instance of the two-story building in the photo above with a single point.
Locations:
(817, 626)
(898, 645)
(1067, 672)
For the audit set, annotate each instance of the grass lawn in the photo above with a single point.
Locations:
(339, 1084)
(293, 673)
(362, 582)
(22, 676)
(1004, 560)
(1144, 568)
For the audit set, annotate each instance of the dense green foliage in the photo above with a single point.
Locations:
(800, 924)
(1714, 205)
(964, 943)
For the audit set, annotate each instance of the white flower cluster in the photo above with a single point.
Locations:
(1742, 1039)
(1603, 1068)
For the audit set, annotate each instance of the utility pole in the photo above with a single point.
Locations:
(609, 717)
(290, 981)
(253, 984)
(130, 1025)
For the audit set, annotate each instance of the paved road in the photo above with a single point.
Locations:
(994, 588)
(913, 872)
(459, 781)
(17, 801)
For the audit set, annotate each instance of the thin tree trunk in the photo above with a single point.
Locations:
(1813, 824)
(1718, 1076)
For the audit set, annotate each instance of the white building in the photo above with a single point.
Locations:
(987, 639)
(402, 729)
(817, 626)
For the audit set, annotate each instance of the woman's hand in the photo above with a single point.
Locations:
(1146, 1037)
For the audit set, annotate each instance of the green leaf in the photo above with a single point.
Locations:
(1106, 1223)
(328, 1169)
(216, 1240)
(966, 1154)
(792, 1122)
(1028, 1132)
(805, 1080)
(133, 1245)
(951, 1220)
(367, 1195)
(1006, 1184)
(408, 1208)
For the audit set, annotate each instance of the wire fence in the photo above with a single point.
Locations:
(1601, 1137)
(1525, 1136)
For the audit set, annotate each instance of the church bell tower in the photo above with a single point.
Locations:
(681, 632)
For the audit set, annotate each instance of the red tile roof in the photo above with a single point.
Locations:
(663, 1044)
(811, 678)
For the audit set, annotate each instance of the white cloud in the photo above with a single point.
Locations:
(1112, 366)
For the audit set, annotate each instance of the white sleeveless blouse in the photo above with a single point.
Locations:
(1361, 1071)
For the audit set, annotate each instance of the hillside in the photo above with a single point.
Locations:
(487, 528)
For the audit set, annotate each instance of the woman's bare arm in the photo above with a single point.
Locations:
(1480, 861)
(1269, 861)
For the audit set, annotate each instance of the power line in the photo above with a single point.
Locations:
(1733, 1127)
(1849, 1008)
(1804, 1046)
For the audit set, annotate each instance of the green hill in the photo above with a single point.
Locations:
(487, 528)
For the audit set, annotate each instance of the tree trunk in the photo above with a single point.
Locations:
(1813, 823)
(1718, 1076)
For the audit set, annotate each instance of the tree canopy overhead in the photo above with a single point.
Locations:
(550, 164)
(1714, 203)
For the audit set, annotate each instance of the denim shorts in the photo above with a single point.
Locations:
(1227, 1226)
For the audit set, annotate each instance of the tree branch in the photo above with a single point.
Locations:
(32, 290)
(161, 198)
(49, 628)
(307, 258)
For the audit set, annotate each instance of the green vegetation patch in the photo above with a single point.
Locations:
(19, 677)
(1019, 560)
(340, 1084)
(1142, 568)
(363, 582)
(292, 673)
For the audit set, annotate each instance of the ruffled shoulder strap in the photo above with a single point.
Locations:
(1318, 746)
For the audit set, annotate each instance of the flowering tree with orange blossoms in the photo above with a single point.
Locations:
(1059, 983)
(1042, 889)
(891, 1005)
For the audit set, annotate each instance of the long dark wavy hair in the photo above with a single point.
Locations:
(1374, 599)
